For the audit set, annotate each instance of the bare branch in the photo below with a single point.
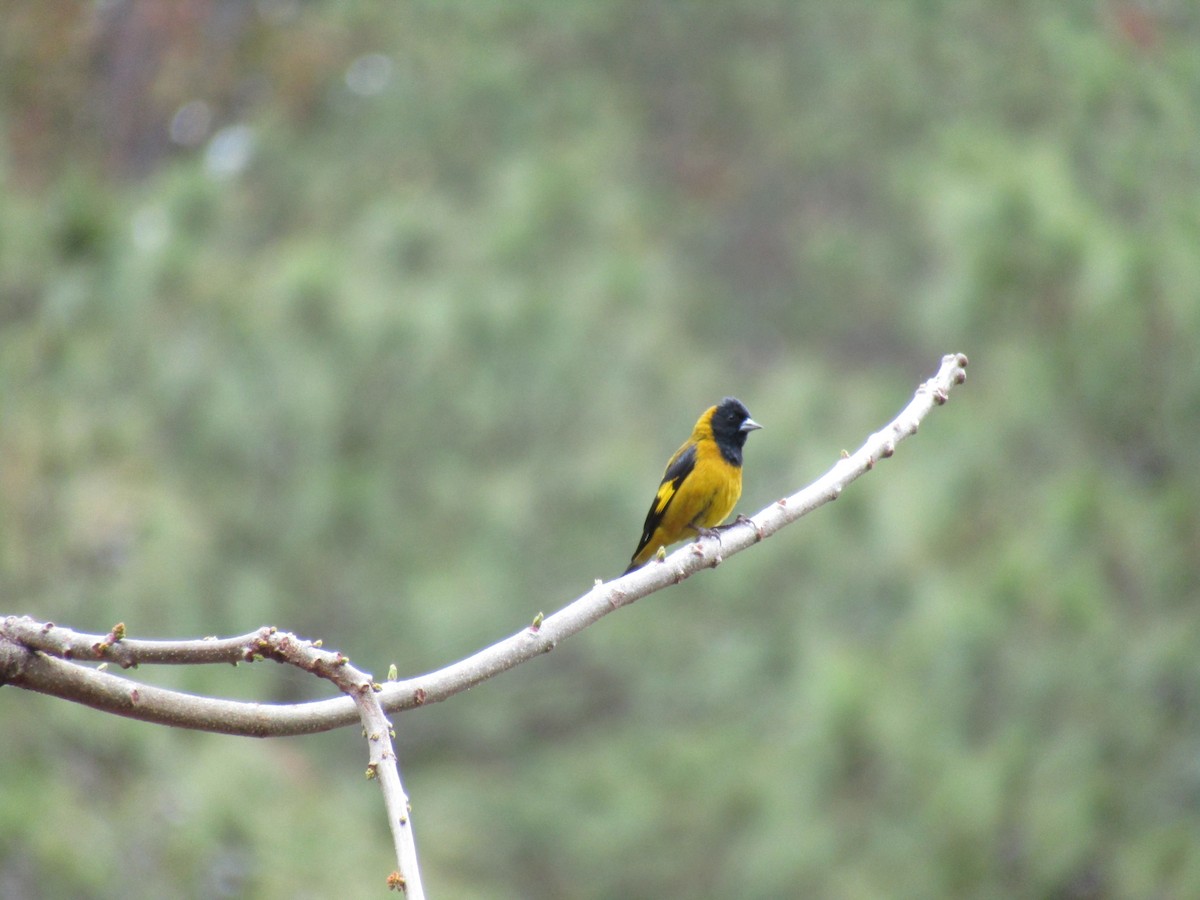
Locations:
(36, 671)
(706, 553)
(383, 765)
(128, 653)
(38, 656)
(22, 666)
(26, 645)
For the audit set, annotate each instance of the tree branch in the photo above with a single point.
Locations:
(26, 645)
(39, 671)
(705, 553)
(383, 764)
(40, 656)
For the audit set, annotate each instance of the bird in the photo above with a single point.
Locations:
(702, 481)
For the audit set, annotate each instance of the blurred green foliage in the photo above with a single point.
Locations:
(377, 323)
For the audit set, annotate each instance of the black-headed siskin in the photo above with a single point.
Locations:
(702, 483)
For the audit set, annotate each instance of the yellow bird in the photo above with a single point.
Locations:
(702, 482)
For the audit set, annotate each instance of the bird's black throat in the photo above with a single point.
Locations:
(727, 421)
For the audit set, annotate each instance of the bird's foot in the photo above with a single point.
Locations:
(746, 520)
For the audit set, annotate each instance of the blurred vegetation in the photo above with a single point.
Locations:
(377, 323)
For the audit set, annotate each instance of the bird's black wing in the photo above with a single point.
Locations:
(679, 468)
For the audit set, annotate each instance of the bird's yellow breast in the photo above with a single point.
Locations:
(705, 498)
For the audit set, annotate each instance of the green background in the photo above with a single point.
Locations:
(377, 322)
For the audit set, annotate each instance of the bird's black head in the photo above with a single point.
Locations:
(731, 423)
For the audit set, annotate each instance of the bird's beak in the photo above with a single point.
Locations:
(750, 425)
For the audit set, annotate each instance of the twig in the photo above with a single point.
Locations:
(129, 653)
(383, 764)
